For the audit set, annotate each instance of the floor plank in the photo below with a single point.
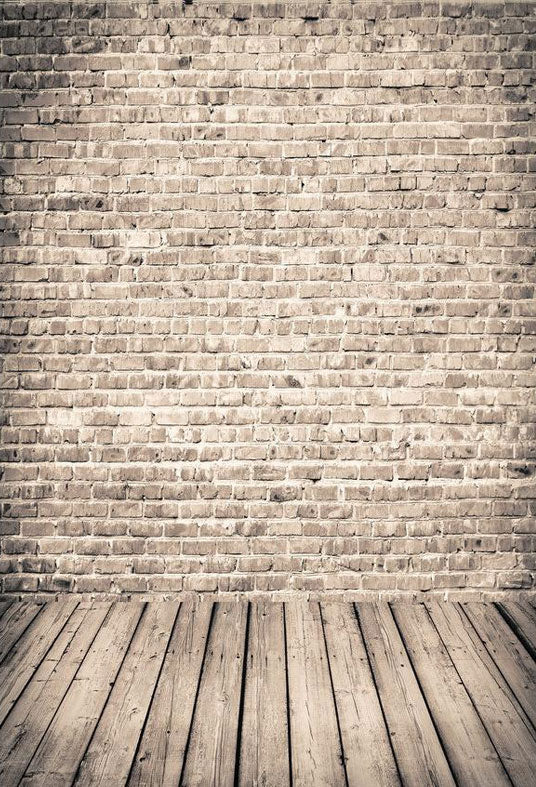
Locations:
(264, 756)
(28, 720)
(211, 753)
(420, 757)
(14, 623)
(512, 659)
(367, 750)
(109, 756)
(4, 605)
(469, 749)
(315, 746)
(512, 739)
(25, 656)
(530, 609)
(57, 758)
(267, 694)
(159, 760)
(12, 608)
(522, 620)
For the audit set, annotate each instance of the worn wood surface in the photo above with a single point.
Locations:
(316, 752)
(30, 718)
(513, 740)
(516, 665)
(467, 745)
(264, 740)
(65, 741)
(367, 750)
(14, 623)
(417, 748)
(26, 654)
(212, 748)
(264, 694)
(161, 749)
(110, 753)
(522, 619)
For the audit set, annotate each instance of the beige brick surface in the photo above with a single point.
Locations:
(267, 282)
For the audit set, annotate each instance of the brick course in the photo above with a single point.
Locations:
(268, 317)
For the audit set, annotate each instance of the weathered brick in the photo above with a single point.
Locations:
(267, 298)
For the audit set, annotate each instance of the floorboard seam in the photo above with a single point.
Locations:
(343, 759)
(22, 633)
(242, 697)
(471, 699)
(86, 749)
(289, 736)
(69, 684)
(41, 660)
(188, 739)
(389, 738)
(423, 695)
(467, 648)
(529, 647)
(519, 710)
(150, 705)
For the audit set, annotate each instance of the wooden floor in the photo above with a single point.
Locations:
(267, 694)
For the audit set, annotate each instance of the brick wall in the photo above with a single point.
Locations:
(268, 277)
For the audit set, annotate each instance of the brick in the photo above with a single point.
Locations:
(267, 321)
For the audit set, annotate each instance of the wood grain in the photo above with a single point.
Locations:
(266, 695)
(522, 620)
(24, 657)
(14, 623)
(514, 662)
(367, 749)
(64, 743)
(512, 739)
(469, 749)
(316, 749)
(418, 750)
(211, 753)
(160, 756)
(111, 751)
(264, 756)
(29, 719)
